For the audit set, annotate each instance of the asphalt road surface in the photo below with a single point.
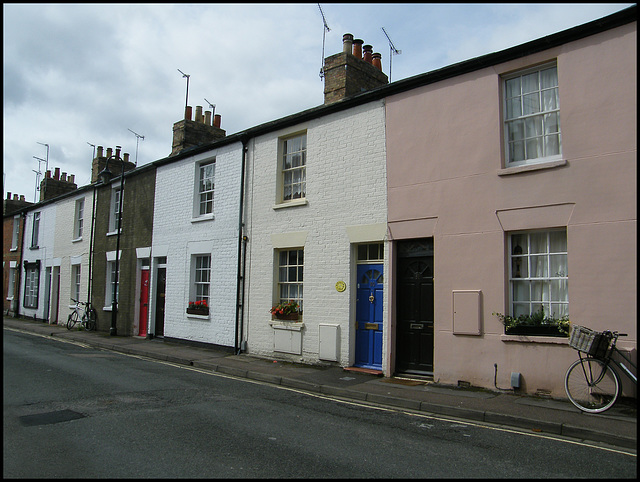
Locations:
(72, 411)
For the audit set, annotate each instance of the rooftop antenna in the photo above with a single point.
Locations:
(94, 150)
(47, 161)
(324, 31)
(186, 101)
(392, 50)
(138, 137)
(35, 199)
(213, 107)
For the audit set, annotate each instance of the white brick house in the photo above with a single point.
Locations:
(320, 218)
(39, 266)
(195, 243)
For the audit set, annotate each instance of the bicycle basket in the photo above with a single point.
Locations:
(591, 342)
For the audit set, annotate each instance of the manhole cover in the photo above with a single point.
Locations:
(49, 417)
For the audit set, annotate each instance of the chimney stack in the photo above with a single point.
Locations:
(347, 73)
(189, 133)
(115, 166)
(57, 185)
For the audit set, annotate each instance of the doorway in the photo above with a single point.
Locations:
(414, 307)
(144, 301)
(161, 283)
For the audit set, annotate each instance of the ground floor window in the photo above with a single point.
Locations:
(290, 275)
(539, 276)
(202, 278)
(31, 282)
(75, 282)
(111, 285)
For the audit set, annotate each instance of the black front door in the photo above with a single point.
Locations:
(160, 292)
(414, 307)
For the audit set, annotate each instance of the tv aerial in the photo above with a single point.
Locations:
(138, 137)
(324, 31)
(186, 101)
(392, 51)
(213, 107)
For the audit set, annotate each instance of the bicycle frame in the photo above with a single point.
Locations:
(624, 367)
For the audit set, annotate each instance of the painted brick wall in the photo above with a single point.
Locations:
(346, 186)
(177, 236)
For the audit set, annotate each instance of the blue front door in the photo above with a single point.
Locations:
(369, 317)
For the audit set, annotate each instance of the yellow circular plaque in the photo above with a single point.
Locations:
(341, 286)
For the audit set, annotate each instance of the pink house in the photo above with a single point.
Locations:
(512, 188)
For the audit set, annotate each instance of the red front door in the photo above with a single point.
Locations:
(144, 302)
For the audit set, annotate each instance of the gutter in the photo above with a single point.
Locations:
(242, 255)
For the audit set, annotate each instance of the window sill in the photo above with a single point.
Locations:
(113, 233)
(13, 250)
(77, 240)
(548, 340)
(291, 204)
(198, 317)
(34, 247)
(286, 325)
(206, 217)
(106, 308)
(532, 167)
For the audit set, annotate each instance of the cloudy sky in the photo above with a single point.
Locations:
(75, 75)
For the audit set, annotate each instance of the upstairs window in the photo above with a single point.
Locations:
(532, 116)
(78, 219)
(16, 233)
(35, 231)
(114, 216)
(294, 167)
(206, 184)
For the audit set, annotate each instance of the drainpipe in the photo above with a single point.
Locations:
(242, 243)
(23, 218)
(93, 219)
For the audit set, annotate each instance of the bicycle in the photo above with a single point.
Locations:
(84, 312)
(591, 382)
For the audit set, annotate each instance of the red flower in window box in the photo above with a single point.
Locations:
(199, 307)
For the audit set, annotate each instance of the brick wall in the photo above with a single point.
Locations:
(346, 186)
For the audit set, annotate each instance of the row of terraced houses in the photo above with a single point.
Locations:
(399, 216)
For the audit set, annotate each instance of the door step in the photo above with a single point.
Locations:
(370, 371)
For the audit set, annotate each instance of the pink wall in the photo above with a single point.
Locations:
(446, 180)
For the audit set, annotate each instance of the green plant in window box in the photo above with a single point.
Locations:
(289, 310)
(198, 307)
(536, 323)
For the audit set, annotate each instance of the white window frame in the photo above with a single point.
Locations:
(110, 279)
(78, 224)
(31, 286)
(16, 233)
(292, 168)
(11, 286)
(538, 272)
(289, 276)
(114, 207)
(35, 229)
(201, 270)
(76, 276)
(531, 118)
(204, 189)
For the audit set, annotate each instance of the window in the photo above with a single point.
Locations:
(12, 283)
(539, 277)
(116, 199)
(206, 183)
(75, 281)
(31, 282)
(290, 275)
(35, 230)
(532, 116)
(371, 252)
(202, 278)
(293, 167)
(79, 219)
(16, 233)
(111, 284)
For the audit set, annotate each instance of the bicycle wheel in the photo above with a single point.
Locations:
(92, 318)
(72, 320)
(591, 385)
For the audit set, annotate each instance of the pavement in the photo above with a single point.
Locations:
(534, 414)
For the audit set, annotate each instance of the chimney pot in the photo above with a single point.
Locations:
(187, 112)
(198, 114)
(357, 48)
(347, 43)
(118, 149)
(109, 151)
(21, 197)
(15, 197)
(56, 174)
(48, 174)
(100, 151)
(72, 178)
(207, 117)
(126, 157)
(63, 177)
(216, 120)
(8, 196)
(377, 60)
(368, 50)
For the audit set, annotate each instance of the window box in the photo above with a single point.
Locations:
(535, 324)
(287, 317)
(533, 330)
(198, 311)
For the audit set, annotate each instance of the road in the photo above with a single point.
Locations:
(73, 411)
